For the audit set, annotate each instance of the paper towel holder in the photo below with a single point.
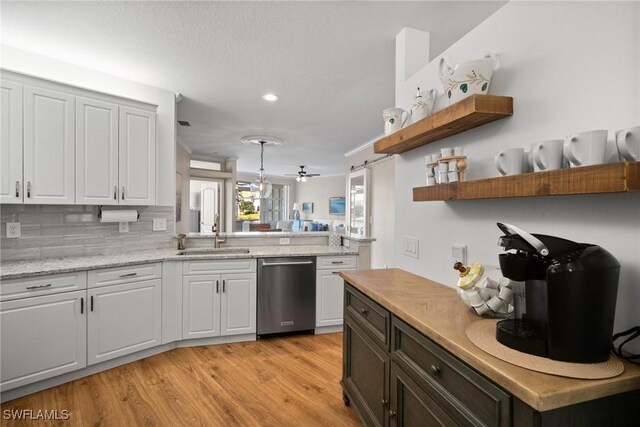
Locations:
(100, 212)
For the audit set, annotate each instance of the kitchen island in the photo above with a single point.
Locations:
(410, 331)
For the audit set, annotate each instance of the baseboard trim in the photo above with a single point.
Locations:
(329, 329)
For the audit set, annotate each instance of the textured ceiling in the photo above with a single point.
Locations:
(331, 63)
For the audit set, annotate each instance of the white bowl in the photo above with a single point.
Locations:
(467, 78)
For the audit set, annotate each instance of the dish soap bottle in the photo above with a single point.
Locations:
(420, 109)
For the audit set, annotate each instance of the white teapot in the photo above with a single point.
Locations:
(467, 78)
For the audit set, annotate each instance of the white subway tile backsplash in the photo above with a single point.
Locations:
(54, 231)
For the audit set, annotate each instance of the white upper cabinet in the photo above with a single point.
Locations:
(96, 152)
(65, 145)
(11, 143)
(49, 146)
(137, 157)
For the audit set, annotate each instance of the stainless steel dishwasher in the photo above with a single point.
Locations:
(286, 295)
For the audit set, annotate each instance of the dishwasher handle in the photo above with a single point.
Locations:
(273, 264)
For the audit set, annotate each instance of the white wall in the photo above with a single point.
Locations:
(41, 66)
(570, 66)
(318, 190)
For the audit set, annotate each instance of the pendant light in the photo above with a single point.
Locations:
(261, 188)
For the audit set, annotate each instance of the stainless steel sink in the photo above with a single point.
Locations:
(213, 251)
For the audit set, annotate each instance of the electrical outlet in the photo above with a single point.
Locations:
(459, 253)
(285, 241)
(13, 230)
(159, 224)
(346, 243)
(124, 227)
(411, 247)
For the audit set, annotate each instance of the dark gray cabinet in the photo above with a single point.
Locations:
(411, 405)
(396, 376)
(365, 374)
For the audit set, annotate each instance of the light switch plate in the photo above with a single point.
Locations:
(285, 241)
(124, 227)
(13, 230)
(411, 247)
(160, 224)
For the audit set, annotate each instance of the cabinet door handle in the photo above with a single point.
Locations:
(28, 189)
(17, 188)
(48, 285)
(337, 262)
(435, 370)
(217, 286)
(364, 311)
(91, 302)
(335, 272)
(123, 192)
(129, 275)
(81, 305)
(115, 192)
(392, 414)
(224, 283)
(384, 403)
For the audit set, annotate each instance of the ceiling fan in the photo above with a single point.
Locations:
(302, 175)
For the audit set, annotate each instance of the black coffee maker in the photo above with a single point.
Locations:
(570, 294)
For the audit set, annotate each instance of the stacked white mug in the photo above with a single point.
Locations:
(547, 155)
(628, 143)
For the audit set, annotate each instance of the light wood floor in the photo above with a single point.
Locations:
(291, 381)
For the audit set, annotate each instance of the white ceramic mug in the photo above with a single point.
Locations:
(510, 162)
(628, 142)
(586, 148)
(393, 120)
(547, 155)
(446, 152)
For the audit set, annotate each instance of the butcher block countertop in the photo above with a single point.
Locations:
(436, 311)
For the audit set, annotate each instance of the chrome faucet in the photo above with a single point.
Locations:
(217, 241)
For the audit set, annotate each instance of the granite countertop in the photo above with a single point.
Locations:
(19, 269)
(246, 234)
(436, 311)
(254, 234)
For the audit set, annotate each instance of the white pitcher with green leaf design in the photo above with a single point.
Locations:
(467, 78)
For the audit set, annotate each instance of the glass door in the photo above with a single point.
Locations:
(357, 203)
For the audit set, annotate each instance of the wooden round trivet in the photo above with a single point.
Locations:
(483, 334)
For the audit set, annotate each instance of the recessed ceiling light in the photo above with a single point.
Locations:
(270, 97)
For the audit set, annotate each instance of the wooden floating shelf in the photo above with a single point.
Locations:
(469, 113)
(608, 178)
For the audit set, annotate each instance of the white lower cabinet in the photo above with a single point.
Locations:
(201, 306)
(42, 337)
(218, 305)
(329, 296)
(330, 289)
(123, 319)
(238, 304)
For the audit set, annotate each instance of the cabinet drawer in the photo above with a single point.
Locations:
(371, 316)
(466, 395)
(336, 262)
(119, 275)
(43, 285)
(219, 266)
